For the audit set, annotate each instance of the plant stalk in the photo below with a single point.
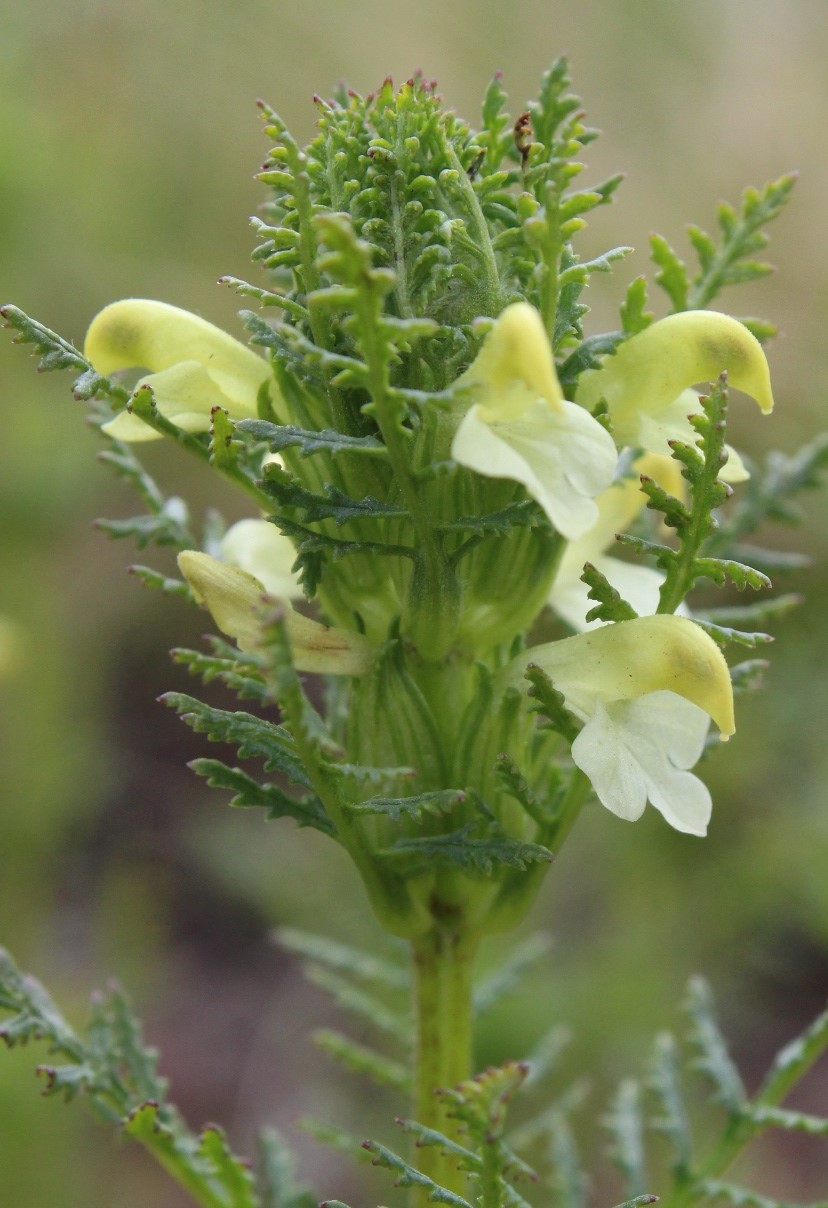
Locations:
(443, 961)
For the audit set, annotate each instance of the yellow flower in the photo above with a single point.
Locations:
(646, 382)
(236, 599)
(646, 690)
(618, 506)
(520, 426)
(193, 365)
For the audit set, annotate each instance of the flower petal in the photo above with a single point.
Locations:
(630, 659)
(185, 394)
(563, 458)
(235, 599)
(138, 333)
(257, 546)
(649, 371)
(640, 750)
(515, 366)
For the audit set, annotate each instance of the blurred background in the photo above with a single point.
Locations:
(128, 142)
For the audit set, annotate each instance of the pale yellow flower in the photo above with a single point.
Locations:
(646, 690)
(237, 600)
(193, 365)
(519, 425)
(645, 384)
(618, 507)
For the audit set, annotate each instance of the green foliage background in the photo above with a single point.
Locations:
(128, 142)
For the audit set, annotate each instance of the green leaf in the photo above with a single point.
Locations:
(716, 1191)
(56, 353)
(672, 1119)
(305, 811)
(713, 1057)
(610, 606)
(544, 813)
(793, 1061)
(408, 1176)
(254, 737)
(432, 1138)
(625, 1122)
(463, 849)
(503, 980)
(333, 504)
(672, 272)
(157, 581)
(634, 314)
(277, 1179)
(399, 809)
(240, 672)
(360, 1003)
(344, 958)
(285, 436)
(727, 262)
(551, 703)
(359, 1059)
(791, 1121)
(570, 1178)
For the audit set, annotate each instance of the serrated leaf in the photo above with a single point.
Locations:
(610, 605)
(740, 575)
(56, 353)
(462, 849)
(588, 355)
(625, 1121)
(493, 988)
(515, 515)
(334, 1137)
(672, 1118)
(713, 1057)
(791, 1121)
(254, 737)
(305, 811)
(333, 504)
(286, 436)
(408, 1176)
(360, 1059)
(157, 581)
(716, 1191)
(551, 703)
(399, 809)
(277, 1180)
(360, 1003)
(230, 1172)
(570, 1179)
(544, 813)
(634, 314)
(238, 671)
(672, 272)
(343, 957)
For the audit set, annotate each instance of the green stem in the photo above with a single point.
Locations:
(443, 961)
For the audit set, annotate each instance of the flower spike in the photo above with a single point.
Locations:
(645, 381)
(521, 427)
(193, 365)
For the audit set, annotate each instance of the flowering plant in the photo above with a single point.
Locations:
(439, 457)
